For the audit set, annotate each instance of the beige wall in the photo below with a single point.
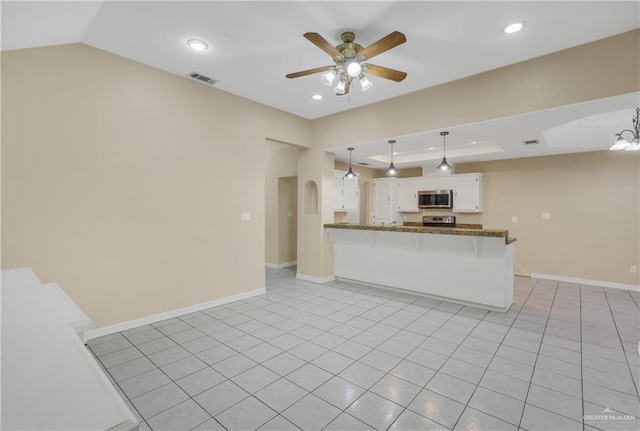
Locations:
(120, 182)
(287, 219)
(315, 251)
(280, 198)
(593, 202)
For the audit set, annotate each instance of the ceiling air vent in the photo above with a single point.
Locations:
(202, 78)
(531, 142)
(363, 164)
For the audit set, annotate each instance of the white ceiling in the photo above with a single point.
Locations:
(253, 45)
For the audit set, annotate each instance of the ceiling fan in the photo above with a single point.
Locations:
(349, 58)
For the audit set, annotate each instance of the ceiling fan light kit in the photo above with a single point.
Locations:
(328, 77)
(633, 145)
(365, 83)
(341, 87)
(349, 58)
(354, 69)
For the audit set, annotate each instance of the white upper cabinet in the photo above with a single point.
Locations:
(385, 201)
(337, 191)
(408, 195)
(350, 193)
(467, 193)
(345, 192)
(441, 182)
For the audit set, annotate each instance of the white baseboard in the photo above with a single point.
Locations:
(587, 282)
(280, 265)
(119, 327)
(315, 279)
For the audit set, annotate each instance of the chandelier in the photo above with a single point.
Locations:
(633, 145)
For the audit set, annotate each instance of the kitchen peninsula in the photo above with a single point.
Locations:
(469, 265)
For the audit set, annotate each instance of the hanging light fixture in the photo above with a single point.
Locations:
(391, 170)
(365, 83)
(634, 144)
(350, 173)
(443, 164)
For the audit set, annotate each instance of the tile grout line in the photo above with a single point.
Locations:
(615, 324)
(581, 360)
(399, 305)
(538, 356)
(492, 357)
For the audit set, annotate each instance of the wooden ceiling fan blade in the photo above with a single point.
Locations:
(385, 44)
(385, 72)
(308, 72)
(322, 43)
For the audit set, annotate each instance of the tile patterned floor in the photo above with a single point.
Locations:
(341, 356)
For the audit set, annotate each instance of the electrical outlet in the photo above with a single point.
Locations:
(546, 216)
(633, 268)
(514, 219)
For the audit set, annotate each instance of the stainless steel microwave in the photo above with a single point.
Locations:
(435, 199)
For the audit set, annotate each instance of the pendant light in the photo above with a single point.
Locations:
(634, 144)
(443, 164)
(350, 173)
(391, 170)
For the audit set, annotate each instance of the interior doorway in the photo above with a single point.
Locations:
(281, 204)
(287, 221)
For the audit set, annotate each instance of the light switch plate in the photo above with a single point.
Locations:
(245, 216)
(546, 215)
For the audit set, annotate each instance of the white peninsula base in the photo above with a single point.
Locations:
(473, 270)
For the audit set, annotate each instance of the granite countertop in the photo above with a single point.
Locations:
(461, 229)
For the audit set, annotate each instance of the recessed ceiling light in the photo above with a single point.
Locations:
(474, 142)
(431, 148)
(198, 45)
(317, 97)
(513, 28)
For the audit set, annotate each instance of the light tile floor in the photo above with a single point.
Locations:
(342, 356)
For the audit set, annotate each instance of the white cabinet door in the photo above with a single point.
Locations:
(350, 197)
(385, 201)
(408, 196)
(345, 192)
(467, 193)
(337, 191)
(381, 202)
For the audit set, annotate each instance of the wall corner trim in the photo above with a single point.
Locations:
(123, 326)
(586, 282)
(315, 279)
